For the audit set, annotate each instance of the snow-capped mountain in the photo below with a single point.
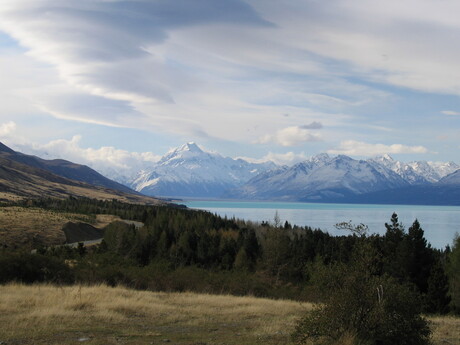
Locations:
(190, 171)
(320, 178)
(451, 179)
(418, 172)
(443, 169)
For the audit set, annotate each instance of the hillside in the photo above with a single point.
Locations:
(436, 194)
(22, 180)
(451, 179)
(64, 169)
(29, 226)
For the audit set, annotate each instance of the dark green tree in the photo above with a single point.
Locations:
(394, 249)
(418, 257)
(454, 275)
(437, 297)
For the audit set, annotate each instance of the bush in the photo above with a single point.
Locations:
(366, 308)
(31, 268)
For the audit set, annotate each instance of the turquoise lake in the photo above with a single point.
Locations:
(440, 223)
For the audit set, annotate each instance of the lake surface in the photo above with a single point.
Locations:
(440, 223)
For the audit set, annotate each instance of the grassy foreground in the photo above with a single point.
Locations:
(45, 314)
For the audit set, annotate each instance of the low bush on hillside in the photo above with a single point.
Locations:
(31, 268)
(364, 308)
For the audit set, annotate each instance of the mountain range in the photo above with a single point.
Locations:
(190, 171)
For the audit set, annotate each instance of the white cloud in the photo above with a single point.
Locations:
(6, 129)
(109, 161)
(221, 70)
(207, 68)
(288, 158)
(358, 148)
(290, 136)
(450, 113)
(404, 43)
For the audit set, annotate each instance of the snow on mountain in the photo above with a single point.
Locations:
(417, 172)
(407, 171)
(444, 168)
(320, 178)
(451, 179)
(190, 171)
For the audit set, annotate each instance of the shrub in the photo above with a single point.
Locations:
(367, 308)
(31, 268)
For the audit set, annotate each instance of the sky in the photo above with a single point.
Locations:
(119, 83)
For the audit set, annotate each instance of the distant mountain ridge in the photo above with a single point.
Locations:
(418, 172)
(190, 171)
(320, 178)
(343, 179)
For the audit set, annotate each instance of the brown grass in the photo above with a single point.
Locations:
(44, 314)
(8, 197)
(24, 226)
(446, 330)
(21, 226)
(102, 220)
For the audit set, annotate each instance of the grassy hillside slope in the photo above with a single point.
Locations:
(64, 168)
(18, 179)
(21, 226)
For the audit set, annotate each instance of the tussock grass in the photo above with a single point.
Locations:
(45, 314)
(21, 226)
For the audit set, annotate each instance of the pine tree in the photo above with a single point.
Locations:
(437, 298)
(394, 251)
(419, 257)
(454, 275)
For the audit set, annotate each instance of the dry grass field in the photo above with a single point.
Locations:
(22, 226)
(45, 314)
